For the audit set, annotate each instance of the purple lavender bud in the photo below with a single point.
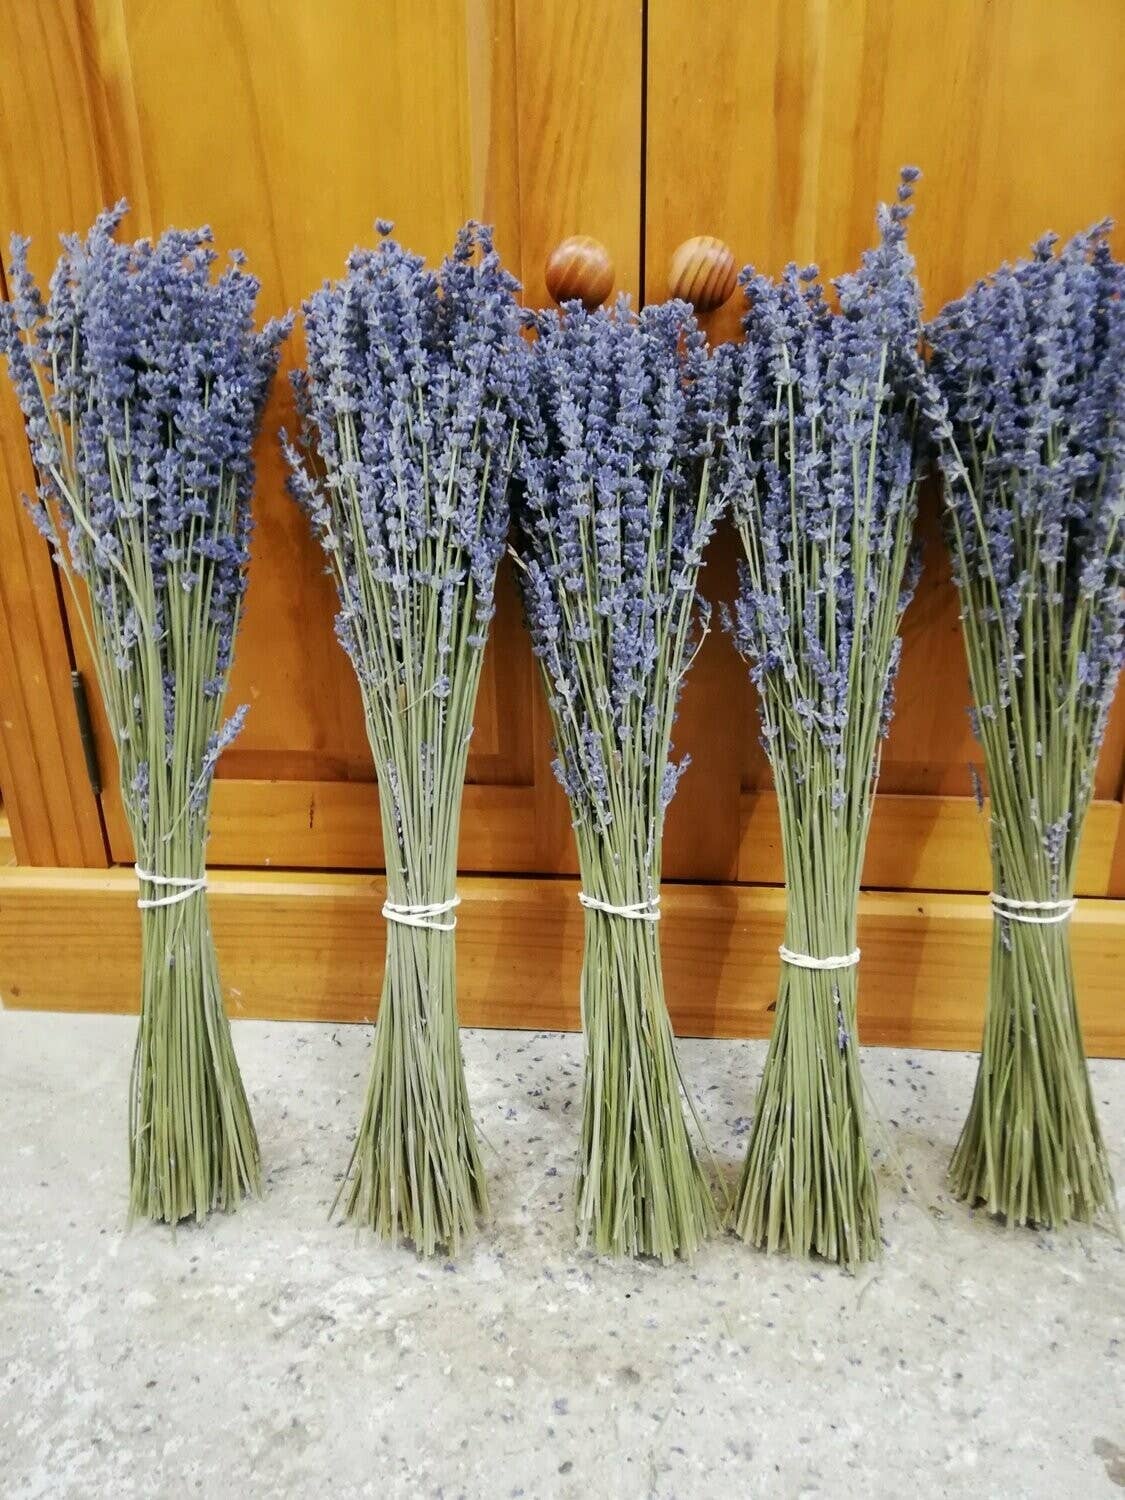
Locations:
(616, 437)
(819, 463)
(142, 380)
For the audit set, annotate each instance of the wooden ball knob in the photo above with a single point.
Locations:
(703, 273)
(580, 270)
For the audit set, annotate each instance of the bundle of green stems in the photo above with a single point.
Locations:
(142, 381)
(406, 457)
(1026, 397)
(615, 513)
(1031, 1148)
(818, 462)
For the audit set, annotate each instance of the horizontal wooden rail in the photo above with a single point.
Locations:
(917, 843)
(318, 825)
(920, 843)
(310, 947)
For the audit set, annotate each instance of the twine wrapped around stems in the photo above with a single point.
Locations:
(193, 1146)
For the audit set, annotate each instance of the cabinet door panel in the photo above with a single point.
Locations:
(289, 129)
(778, 131)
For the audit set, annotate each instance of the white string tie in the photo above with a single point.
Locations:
(1037, 913)
(633, 911)
(422, 916)
(807, 961)
(184, 887)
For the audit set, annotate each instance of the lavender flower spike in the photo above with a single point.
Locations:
(142, 382)
(615, 512)
(402, 468)
(818, 466)
(1025, 400)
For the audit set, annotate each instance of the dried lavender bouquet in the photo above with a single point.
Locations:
(818, 465)
(409, 434)
(1027, 402)
(142, 382)
(615, 512)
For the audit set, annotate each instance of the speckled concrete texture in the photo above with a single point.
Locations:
(270, 1353)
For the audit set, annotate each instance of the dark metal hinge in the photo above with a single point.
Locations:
(86, 731)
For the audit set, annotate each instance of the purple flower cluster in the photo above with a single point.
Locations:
(408, 430)
(142, 382)
(1026, 400)
(614, 516)
(818, 464)
(403, 467)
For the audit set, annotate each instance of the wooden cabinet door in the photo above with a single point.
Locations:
(778, 129)
(289, 128)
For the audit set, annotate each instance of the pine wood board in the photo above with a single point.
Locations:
(917, 843)
(309, 947)
(926, 844)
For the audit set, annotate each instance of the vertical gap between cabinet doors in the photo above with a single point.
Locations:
(641, 284)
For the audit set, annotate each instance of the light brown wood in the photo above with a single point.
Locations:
(578, 139)
(774, 139)
(925, 844)
(334, 825)
(917, 843)
(578, 134)
(310, 947)
(579, 269)
(183, 110)
(780, 135)
(49, 803)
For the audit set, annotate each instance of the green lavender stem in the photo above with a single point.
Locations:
(142, 381)
(808, 1184)
(192, 1144)
(641, 1190)
(416, 1171)
(1031, 1148)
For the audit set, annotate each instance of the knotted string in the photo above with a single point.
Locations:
(808, 961)
(423, 915)
(1036, 913)
(186, 887)
(633, 911)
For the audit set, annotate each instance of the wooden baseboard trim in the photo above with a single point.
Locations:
(310, 947)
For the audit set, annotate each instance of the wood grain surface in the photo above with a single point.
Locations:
(309, 947)
(290, 127)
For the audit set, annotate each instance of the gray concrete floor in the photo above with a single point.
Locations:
(273, 1354)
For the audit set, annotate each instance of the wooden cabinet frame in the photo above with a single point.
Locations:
(618, 120)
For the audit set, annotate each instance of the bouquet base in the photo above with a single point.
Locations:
(192, 1143)
(1031, 1150)
(808, 1184)
(415, 1174)
(641, 1189)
